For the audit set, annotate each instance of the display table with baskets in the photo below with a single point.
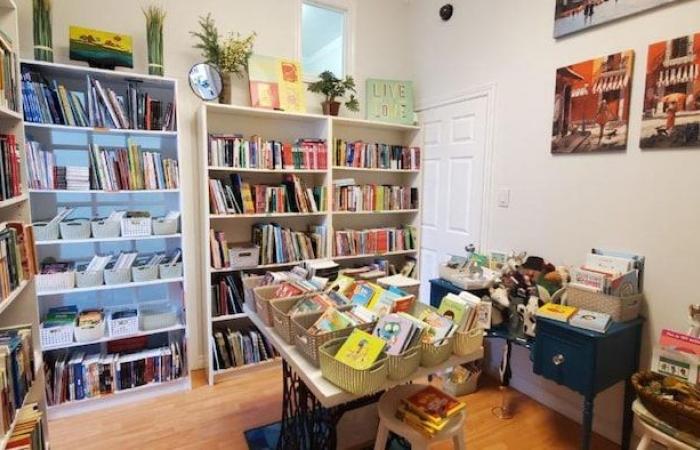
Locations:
(312, 405)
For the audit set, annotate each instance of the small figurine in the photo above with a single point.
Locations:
(694, 320)
(476, 272)
(500, 296)
(528, 312)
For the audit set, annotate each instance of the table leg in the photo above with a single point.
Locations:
(587, 425)
(627, 415)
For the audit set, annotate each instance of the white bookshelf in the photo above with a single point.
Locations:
(288, 127)
(62, 139)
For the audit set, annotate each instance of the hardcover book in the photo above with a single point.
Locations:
(360, 350)
(591, 320)
(553, 311)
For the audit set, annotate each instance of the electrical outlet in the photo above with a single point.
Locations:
(503, 198)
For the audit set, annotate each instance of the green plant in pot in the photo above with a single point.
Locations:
(333, 88)
(228, 54)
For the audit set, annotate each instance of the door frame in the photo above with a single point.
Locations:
(489, 92)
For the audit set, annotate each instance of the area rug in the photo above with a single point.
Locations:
(265, 438)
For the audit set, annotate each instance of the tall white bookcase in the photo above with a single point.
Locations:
(19, 307)
(288, 127)
(70, 145)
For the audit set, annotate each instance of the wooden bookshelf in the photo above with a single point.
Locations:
(92, 203)
(288, 127)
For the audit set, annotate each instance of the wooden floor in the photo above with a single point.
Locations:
(215, 418)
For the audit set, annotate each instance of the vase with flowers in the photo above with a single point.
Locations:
(228, 54)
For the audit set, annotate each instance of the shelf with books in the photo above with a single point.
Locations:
(114, 239)
(6, 302)
(13, 201)
(101, 192)
(389, 211)
(266, 215)
(108, 287)
(370, 124)
(375, 255)
(226, 317)
(7, 113)
(106, 339)
(250, 367)
(374, 170)
(252, 268)
(280, 171)
(97, 130)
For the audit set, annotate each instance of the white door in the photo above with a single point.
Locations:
(454, 150)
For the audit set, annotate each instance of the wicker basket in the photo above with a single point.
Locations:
(105, 229)
(621, 309)
(117, 276)
(167, 271)
(281, 319)
(401, 366)
(263, 296)
(357, 382)
(45, 231)
(249, 284)
(163, 226)
(47, 282)
(144, 273)
(136, 226)
(75, 229)
(433, 355)
(468, 342)
(679, 416)
(308, 343)
(90, 334)
(89, 279)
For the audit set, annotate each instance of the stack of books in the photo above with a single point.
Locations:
(240, 197)
(76, 178)
(372, 296)
(610, 273)
(226, 296)
(98, 106)
(374, 241)
(371, 197)
(28, 432)
(10, 171)
(8, 74)
(429, 410)
(16, 372)
(240, 348)
(334, 320)
(17, 257)
(233, 150)
(376, 156)
(79, 375)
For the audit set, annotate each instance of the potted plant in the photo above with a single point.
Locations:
(332, 88)
(154, 36)
(229, 55)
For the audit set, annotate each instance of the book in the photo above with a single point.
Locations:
(331, 320)
(438, 327)
(375, 155)
(591, 320)
(360, 350)
(397, 331)
(433, 405)
(453, 307)
(374, 241)
(561, 313)
(362, 293)
(256, 152)
(371, 197)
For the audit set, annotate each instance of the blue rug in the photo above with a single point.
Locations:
(265, 438)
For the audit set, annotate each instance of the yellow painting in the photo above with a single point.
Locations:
(276, 83)
(103, 49)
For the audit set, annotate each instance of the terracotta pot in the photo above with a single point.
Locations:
(331, 108)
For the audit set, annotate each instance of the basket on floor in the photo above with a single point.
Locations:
(308, 343)
(401, 366)
(468, 342)
(676, 414)
(263, 296)
(357, 382)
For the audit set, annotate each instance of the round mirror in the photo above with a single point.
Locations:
(205, 81)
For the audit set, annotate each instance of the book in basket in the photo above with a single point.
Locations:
(360, 350)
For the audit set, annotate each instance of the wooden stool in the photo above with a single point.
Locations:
(387, 406)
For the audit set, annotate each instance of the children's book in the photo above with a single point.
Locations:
(453, 307)
(331, 320)
(439, 327)
(553, 311)
(384, 304)
(397, 331)
(307, 305)
(360, 350)
(361, 294)
(433, 404)
(362, 314)
(591, 320)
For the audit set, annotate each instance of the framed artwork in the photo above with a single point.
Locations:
(275, 83)
(671, 117)
(591, 105)
(572, 16)
(389, 101)
(102, 49)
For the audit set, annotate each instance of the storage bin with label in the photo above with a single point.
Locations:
(91, 334)
(167, 271)
(87, 279)
(144, 273)
(243, 255)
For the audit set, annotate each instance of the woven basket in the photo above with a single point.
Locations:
(263, 296)
(144, 273)
(401, 366)
(89, 279)
(308, 343)
(170, 270)
(281, 319)
(433, 355)
(249, 284)
(45, 231)
(468, 342)
(75, 229)
(117, 276)
(105, 229)
(357, 382)
(621, 309)
(679, 416)
(163, 226)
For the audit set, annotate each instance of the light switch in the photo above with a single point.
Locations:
(503, 197)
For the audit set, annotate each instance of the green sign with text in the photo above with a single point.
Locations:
(390, 101)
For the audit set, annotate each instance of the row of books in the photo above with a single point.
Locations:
(240, 348)
(72, 376)
(376, 156)
(17, 256)
(279, 245)
(28, 433)
(580, 318)
(226, 296)
(16, 371)
(374, 241)
(8, 74)
(611, 273)
(98, 106)
(372, 197)
(233, 150)
(109, 169)
(10, 171)
(241, 197)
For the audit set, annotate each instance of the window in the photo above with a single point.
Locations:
(323, 40)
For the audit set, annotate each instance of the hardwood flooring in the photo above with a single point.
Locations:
(215, 418)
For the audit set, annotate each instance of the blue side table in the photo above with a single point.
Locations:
(584, 361)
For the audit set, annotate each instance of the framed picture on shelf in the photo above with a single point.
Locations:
(572, 16)
(671, 117)
(591, 105)
(101, 49)
(275, 83)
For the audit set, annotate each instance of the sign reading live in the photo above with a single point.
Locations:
(390, 101)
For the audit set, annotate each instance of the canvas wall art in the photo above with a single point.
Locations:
(103, 49)
(390, 101)
(591, 105)
(572, 16)
(276, 83)
(671, 117)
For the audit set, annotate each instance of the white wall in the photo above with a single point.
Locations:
(647, 202)
(276, 24)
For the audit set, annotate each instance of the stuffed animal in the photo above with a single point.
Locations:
(499, 295)
(528, 312)
(513, 262)
(694, 320)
